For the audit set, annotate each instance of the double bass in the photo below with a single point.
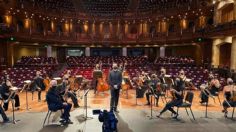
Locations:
(102, 84)
(126, 84)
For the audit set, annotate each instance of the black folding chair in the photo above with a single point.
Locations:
(187, 103)
(217, 95)
(48, 116)
(233, 111)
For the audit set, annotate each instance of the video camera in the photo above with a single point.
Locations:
(109, 120)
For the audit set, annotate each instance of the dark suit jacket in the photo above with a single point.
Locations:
(115, 78)
(54, 100)
(39, 83)
(4, 91)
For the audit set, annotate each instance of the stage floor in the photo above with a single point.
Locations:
(132, 117)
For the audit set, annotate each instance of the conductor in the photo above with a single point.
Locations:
(114, 80)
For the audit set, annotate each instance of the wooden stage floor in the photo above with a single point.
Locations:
(132, 117)
(102, 100)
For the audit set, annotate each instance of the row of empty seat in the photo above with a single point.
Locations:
(135, 65)
(26, 67)
(37, 61)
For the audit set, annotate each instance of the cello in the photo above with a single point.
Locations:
(126, 83)
(46, 82)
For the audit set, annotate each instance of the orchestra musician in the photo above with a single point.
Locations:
(55, 102)
(7, 94)
(162, 79)
(178, 95)
(2, 112)
(121, 67)
(144, 80)
(115, 81)
(38, 84)
(211, 89)
(229, 93)
(4, 116)
(153, 87)
(96, 75)
(66, 92)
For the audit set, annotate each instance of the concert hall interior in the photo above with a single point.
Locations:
(117, 65)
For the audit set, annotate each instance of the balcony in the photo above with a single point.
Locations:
(186, 36)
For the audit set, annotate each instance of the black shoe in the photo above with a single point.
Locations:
(159, 116)
(69, 121)
(147, 104)
(76, 106)
(175, 115)
(6, 120)
(226, 114)
(115, 110)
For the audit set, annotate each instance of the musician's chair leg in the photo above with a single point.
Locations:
(233, 112)
(219, 99)
(46, 117)
(192, 113)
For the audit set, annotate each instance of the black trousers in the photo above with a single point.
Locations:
(73, 97)
(4, 116)
(39, 92)
(169, 105)
(148, 94)
(115, 93)
(17, 102)
(66, 113)
(95, 83)
(231, 103)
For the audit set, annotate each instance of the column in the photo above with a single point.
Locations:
(37, 52)
(233, 54)
(87, 51)
(217, 14)
(124, 51)
(215, 53)
(10, 54)
(49, 51)
(162, 51)
(234, 10)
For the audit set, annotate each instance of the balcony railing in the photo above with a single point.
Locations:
(158, 38)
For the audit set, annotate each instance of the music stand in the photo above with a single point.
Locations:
(86, 104)
(206, 109)
(151, 102)
(11, 97)
(27, 82)
(79, 79)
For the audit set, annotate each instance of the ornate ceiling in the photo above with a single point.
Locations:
(112, 7)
